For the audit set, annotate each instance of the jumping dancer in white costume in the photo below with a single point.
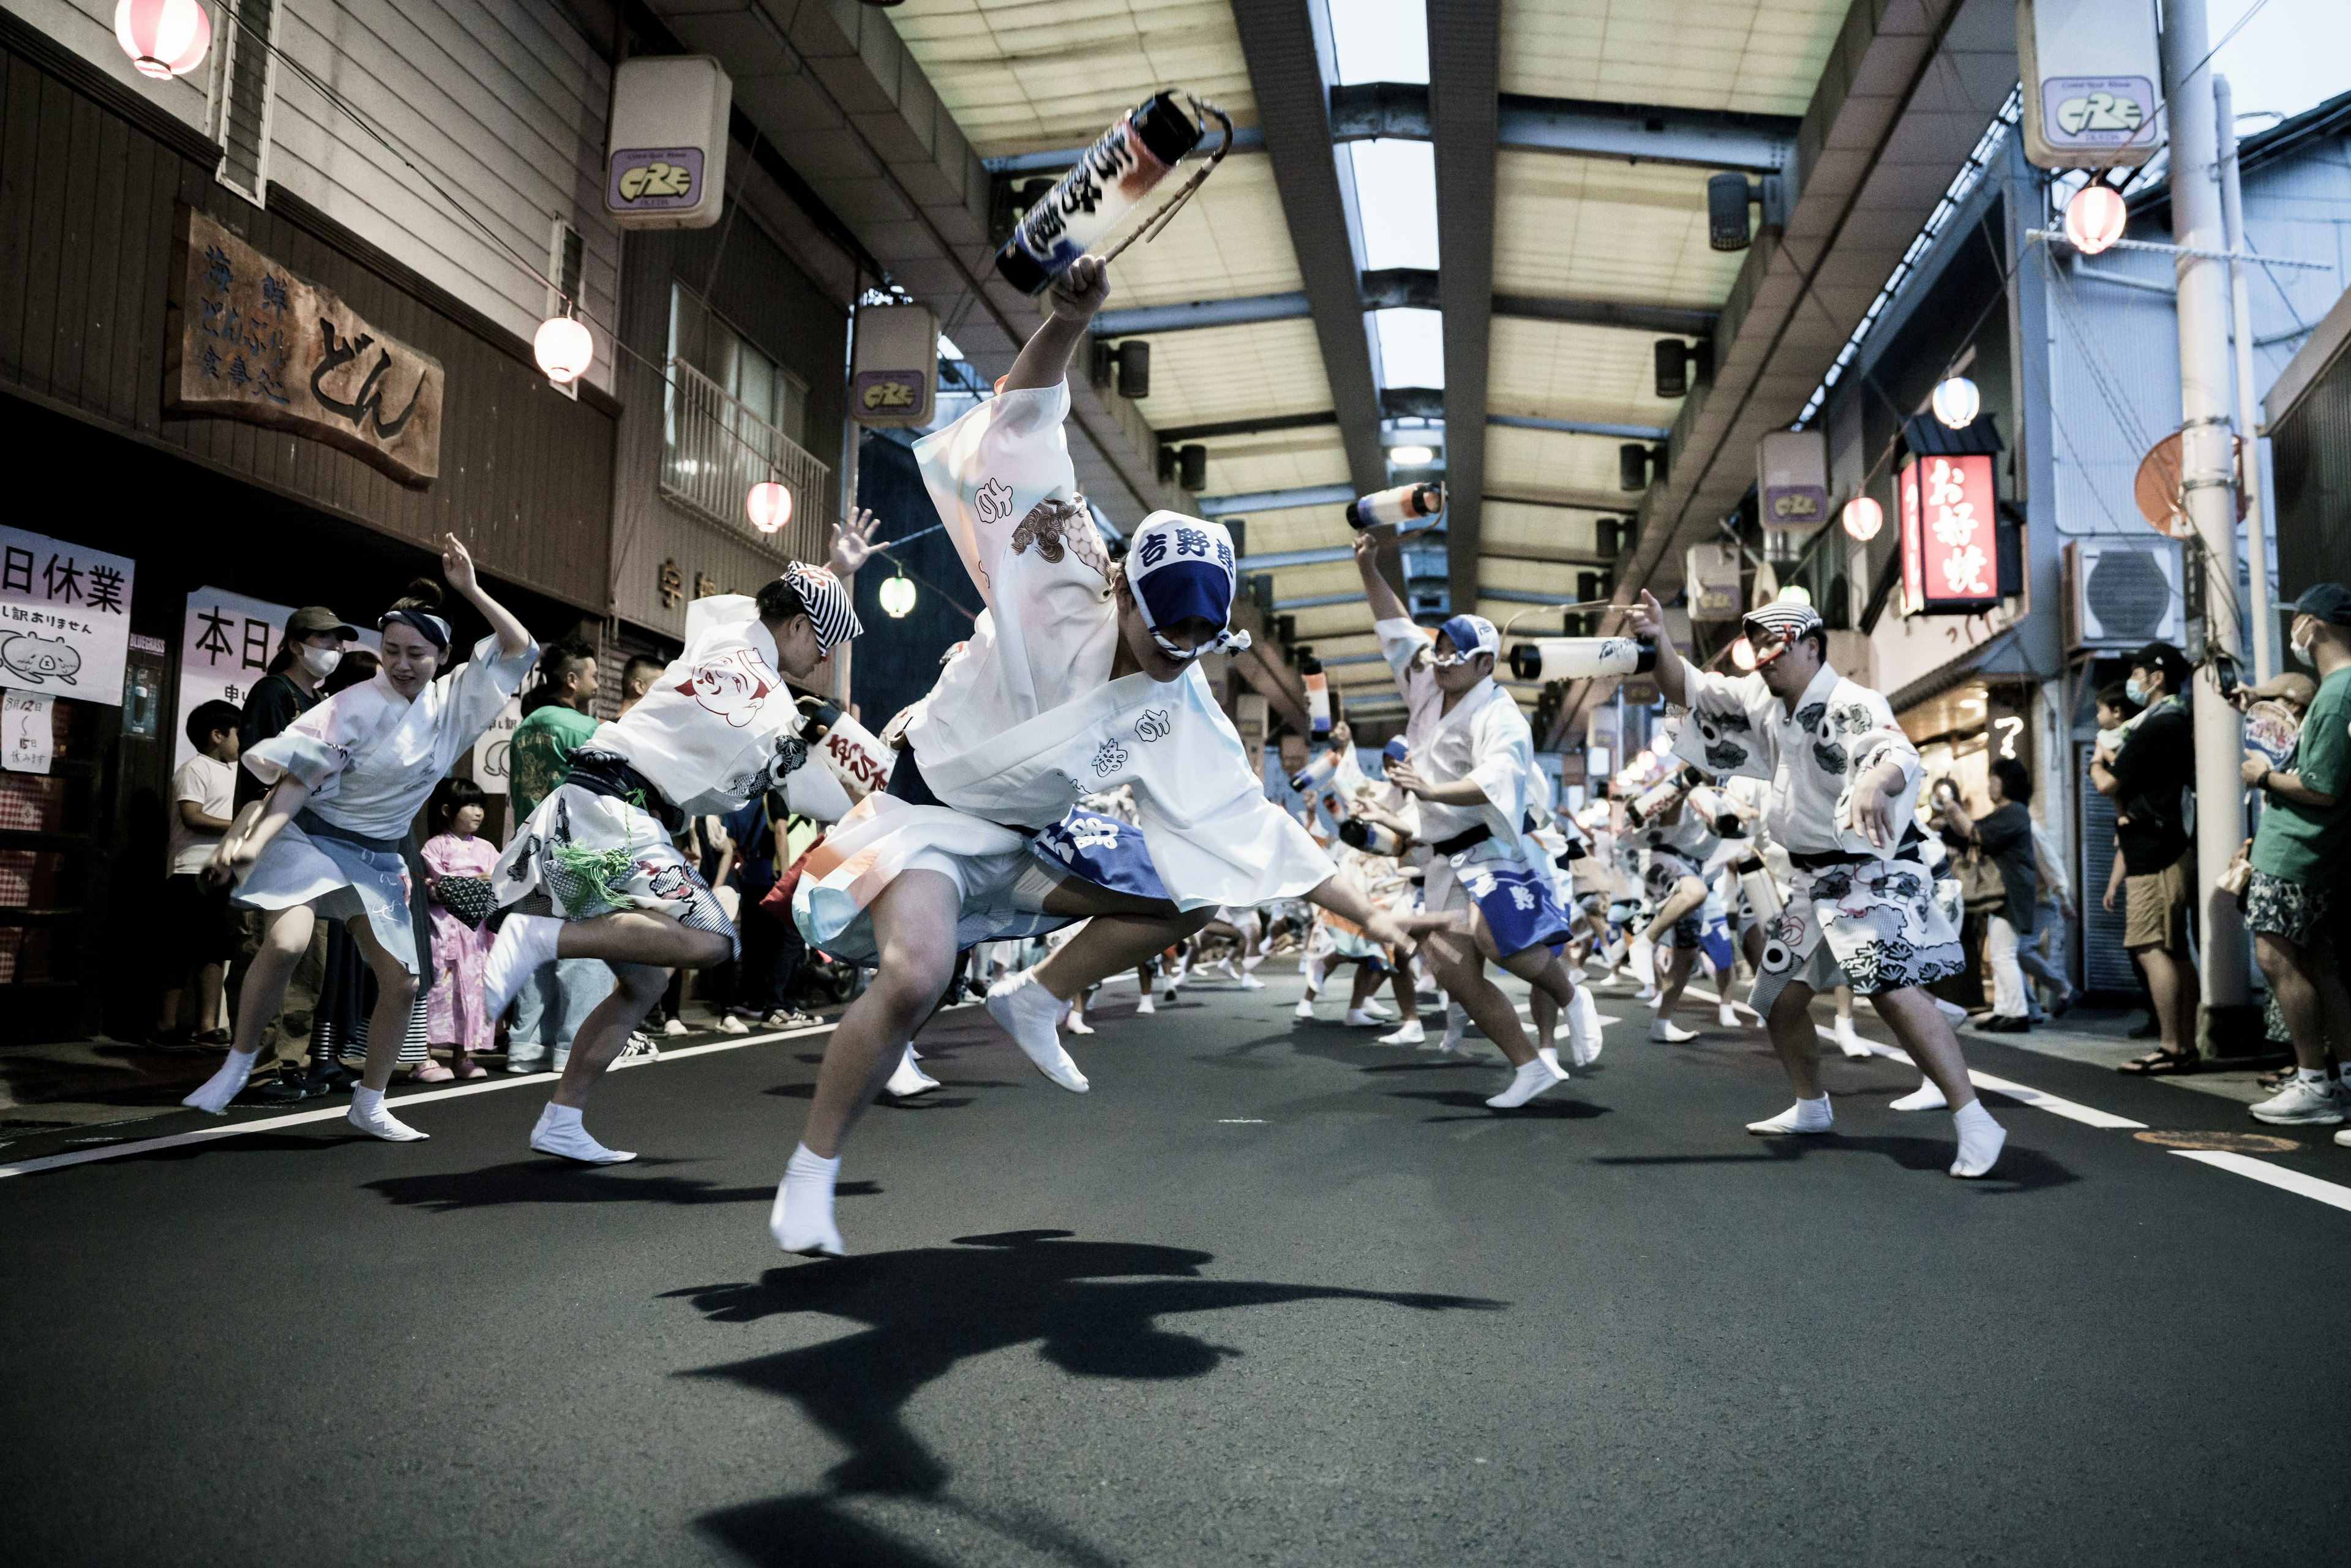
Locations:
(1844, 785)
(1488, 892)
(594, 872)
(349, 777)
(1077, 678)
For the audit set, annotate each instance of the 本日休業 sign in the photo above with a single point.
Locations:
(1950, 563)
(250, 340)
(226, 646)
(65, 618)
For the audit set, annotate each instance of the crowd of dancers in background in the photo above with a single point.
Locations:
(1072, 778)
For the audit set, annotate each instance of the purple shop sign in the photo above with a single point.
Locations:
(653, 179)
(2097, 111)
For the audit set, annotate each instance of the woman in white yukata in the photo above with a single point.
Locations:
(1488, 892)
(1861, 902)
(349, 777)
(595, 873)
(1077, 678)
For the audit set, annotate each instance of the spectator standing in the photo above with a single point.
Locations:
(772, 949)
(458, 866)
(197, 937)
(2293, 896)
(2004, 837)
(558, 717)
(2043, 958)
(637, 679)
(2149, 779)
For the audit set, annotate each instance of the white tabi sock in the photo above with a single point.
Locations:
(1981, 1141)
(1925, 1097)
(1666, 1032)
(226, 1084)
(801, 1219)
(1408, 1032)
(1537, 1077)
(1803, 1116)
(368, 1115)
(1457, 1026)
(908, 1080)
(1727, 1016)
(1852, 1044)
(1583, 1027)
(1026, 1010)
(524, 944)
(560, 1133)
(1364, 1017)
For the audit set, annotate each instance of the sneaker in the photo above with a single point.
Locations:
(673, 1028)
(2343, 1138)
(2301, 1104)
(526, 1064)
(176, 1039)
(732, 1024)
(792, 1017)
(639, 1046)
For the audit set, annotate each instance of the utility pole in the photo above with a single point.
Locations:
(2240, 306)
(2208, 490)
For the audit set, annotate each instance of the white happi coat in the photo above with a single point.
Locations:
(719, 726)
(1485, 739)
(1025, 720)
(1838, 731)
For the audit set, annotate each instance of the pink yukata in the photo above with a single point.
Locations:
(454, 1011)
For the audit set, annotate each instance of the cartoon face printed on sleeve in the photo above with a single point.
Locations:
(734, 686)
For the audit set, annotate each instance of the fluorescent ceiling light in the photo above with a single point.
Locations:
(1412, 347)
(1411, 456)
(1395, 191)
(1380, 40)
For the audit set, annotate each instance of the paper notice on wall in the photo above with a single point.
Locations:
(65, 618)
(490, 748)
(226, 646)
(26, 731)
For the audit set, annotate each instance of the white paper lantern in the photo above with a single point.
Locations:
(1863, 518)
(1742, 653)
(563, 348)
(897, 595)
(1957, 402)
(1795, 594)
(164, 38)
(770, 505)
(2095, 218)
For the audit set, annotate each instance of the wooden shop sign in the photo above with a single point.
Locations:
(251, 340)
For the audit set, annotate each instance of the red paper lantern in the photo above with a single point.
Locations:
(164, 38)
(2095, 218)
(770, 505)
(1742, 653)
(1863, 518)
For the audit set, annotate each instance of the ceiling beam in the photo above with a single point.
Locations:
(1287, 56)
(1248, 139)
(1403, 288)
(1570, 503)
(1608, 313)
(1323, 555)
(1240, 312)
(1636, 133)
(1176, 434)
(1549, 557)
(1464, 66)
(1580, 427)
(1275, 500)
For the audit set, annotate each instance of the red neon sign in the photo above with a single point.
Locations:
(1950, 560)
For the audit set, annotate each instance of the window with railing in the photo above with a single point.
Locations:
(732, 419)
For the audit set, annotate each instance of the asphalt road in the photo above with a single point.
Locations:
(1270, 1294)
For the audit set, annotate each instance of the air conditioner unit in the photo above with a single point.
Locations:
(2123, 592)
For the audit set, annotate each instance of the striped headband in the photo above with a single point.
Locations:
(1783, 622)
(831, 615)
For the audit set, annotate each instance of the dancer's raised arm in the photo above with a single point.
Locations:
(457, 567)
(1386, 603)
(1074, 297)
(1673, 670)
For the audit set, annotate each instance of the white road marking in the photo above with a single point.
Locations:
(2331, 1194)
(405, 1104)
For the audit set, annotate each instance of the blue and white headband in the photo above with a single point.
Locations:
(430, 627)
(1181, 569)
(1470, 636)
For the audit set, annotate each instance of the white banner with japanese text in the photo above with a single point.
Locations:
(65, 618)
(224, 647)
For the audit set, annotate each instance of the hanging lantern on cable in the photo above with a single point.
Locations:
(2095, 218)
(164, 38)
(898, 596)
(770, 505)
(1957, 402)
(563, 349)
(1795, 594)
(1863, 518)
(1742, 653)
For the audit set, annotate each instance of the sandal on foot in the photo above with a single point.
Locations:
(466, 1067)
(430, 1072)
(2161, 1063)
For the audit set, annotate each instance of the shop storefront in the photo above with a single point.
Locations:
(229, 411)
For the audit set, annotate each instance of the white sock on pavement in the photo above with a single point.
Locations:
(1408, 1032)
(1727, 1016)
(1535, 1078)
(1457, 1027)
(524, 944)
(1026, 1010)
(1803, 1116)
(1925, 1097)
(561, 1132)
(1583, 1017)
(908, 1080)
(1665, 1029)
(1364, 1017)
(368, 1115)
(1549, 1057)
(1981, 1141)
(1144, 1005)
(801, 1219)
(1849, 1043)
(226, 1084)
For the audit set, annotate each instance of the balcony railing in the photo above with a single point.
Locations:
(714, 449)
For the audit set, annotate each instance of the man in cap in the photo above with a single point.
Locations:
(1078, 678)
(2295, 899)
(2149, 780)
(1489, 892)
(594, 872)
(1860, 907)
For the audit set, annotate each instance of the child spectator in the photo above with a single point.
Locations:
(458, 863)
(196, 933)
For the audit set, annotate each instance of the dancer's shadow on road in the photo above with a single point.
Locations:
(1091, 1307)
(551, 1181)
(2020, 1170)
(1475, 1109)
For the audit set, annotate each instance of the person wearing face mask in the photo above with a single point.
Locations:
(346, 781)
(2149, 779)
(1860, 907)
(1078, 677)
(1488, 892)
(2295, 895)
